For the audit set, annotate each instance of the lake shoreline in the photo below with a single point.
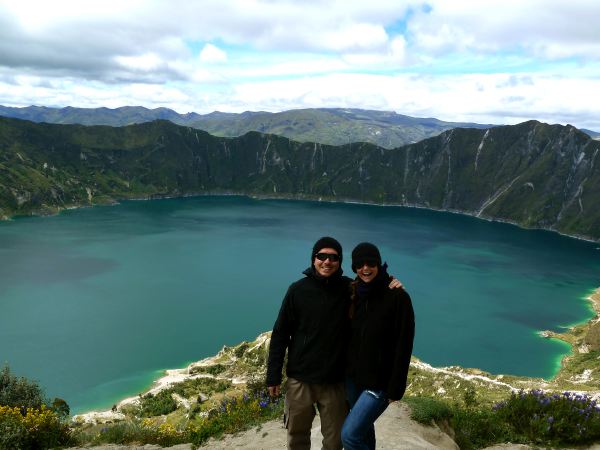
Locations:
(173, 376)
(297, 197)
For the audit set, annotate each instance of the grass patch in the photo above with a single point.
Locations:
(232, 414)
(427, 410)
(157, 405)
(534, 417)
(191, 388)
(214, 369)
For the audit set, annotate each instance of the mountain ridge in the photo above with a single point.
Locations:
(332, 126)
(532, 174)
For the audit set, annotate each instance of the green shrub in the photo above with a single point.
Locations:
(215, 369)
(191, 388)
(236, 414)
(479, 428)
(427, 410)
(470, 397)
(26, 421)
(241, 349)
(535, 417)
(157, 405)
(552, 418)
(19, 391)
(473, 428)
(61, 408)
(138, 431)
(13, 433)
(232, 415)
(32, 428)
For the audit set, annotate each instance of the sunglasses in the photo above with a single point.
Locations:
(330, 256)
(368, 263)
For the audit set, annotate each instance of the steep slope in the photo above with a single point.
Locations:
(533, 174)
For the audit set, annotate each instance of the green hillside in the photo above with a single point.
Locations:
(533, 174)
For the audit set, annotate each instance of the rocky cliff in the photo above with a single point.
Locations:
(532, 174)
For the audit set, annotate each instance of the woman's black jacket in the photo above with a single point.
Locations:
(383, 329)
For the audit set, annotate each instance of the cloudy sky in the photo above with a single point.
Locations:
(487, 61)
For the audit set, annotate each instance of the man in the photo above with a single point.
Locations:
(313, 326)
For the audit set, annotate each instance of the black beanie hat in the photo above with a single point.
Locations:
(365, 252)
(326, 242)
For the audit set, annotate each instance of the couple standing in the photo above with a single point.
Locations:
(349, 345)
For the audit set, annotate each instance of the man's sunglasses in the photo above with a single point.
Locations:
(331, 256)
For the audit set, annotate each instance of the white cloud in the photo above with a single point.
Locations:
(356, 36)
(492, 61)
(548, 29)
(145, 62)
(212, 54)
(303, 65)
(393, 55)
(475, 98)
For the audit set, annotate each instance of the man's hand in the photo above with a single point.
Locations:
(395, 283)
(274, 391)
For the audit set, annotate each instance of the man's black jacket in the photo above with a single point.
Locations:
(313, 326)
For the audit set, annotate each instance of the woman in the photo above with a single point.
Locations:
(383, 328)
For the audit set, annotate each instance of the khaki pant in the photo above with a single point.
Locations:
(300, 401)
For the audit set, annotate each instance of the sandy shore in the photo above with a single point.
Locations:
(594, 299)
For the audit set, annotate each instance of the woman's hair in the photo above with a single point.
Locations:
(353, 295)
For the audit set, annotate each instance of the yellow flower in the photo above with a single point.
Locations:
(167, 429)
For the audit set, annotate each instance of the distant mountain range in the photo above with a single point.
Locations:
(533, 174)
(593, 134)
(331, 126)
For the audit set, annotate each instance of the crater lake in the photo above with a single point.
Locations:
(96, 302)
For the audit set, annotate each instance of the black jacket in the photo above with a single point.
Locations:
(313, 326)
(383, 329)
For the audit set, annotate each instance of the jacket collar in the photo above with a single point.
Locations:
(310, 272)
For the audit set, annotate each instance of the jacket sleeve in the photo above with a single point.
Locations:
(404, 334)
(280, 340)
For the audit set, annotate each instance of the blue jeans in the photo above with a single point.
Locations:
(358, 432)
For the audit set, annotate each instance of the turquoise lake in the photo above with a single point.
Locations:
(95, 302)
